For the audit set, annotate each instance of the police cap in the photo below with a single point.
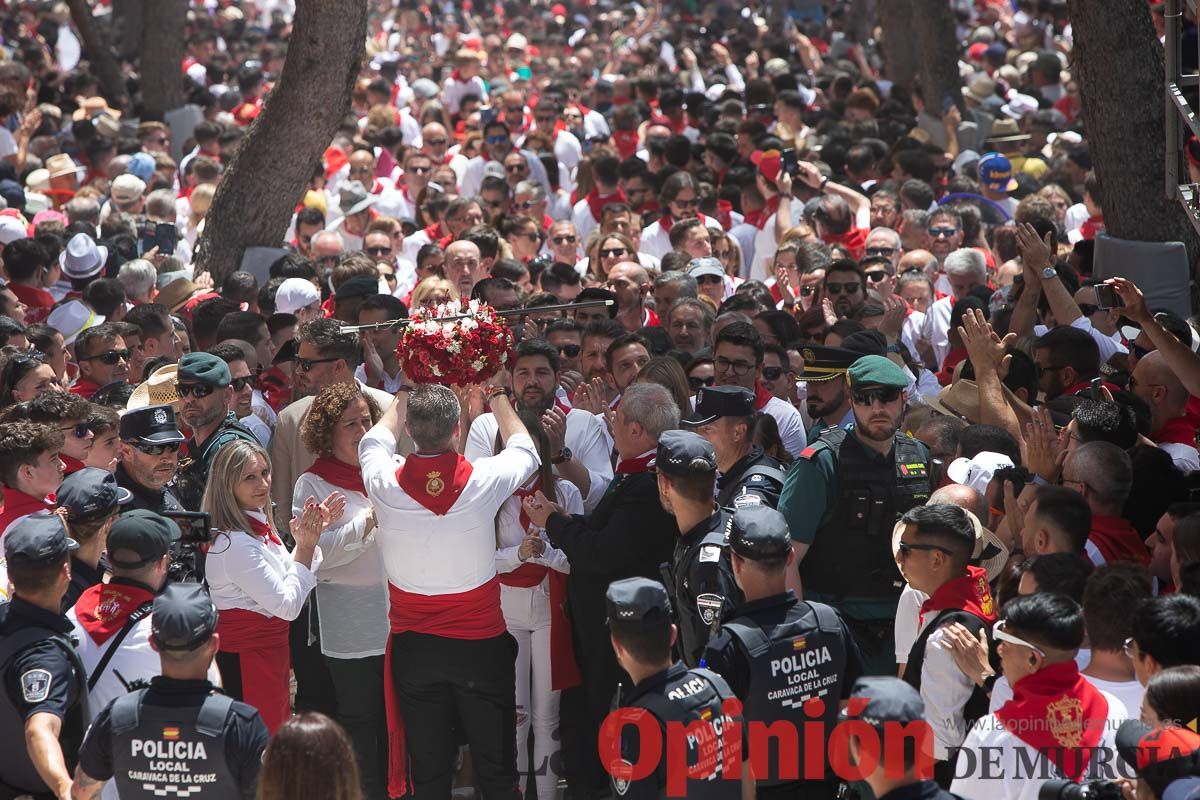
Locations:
(183, 617)
(204, 368)
(888, 700)
(714, 402)
(825, 363)
(876, 371)
(143, 532)
(685, 453)
(759, 532)
(90, 494)
(151, 425)
(638, 602)
(38, 539)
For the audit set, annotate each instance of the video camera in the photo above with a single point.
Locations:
(187, 554)
(1065, 789)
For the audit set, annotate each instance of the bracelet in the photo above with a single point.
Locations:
(496, 391)
(821, 187)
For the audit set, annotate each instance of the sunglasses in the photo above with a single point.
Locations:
(881, 251)
(697, 383)
(616, 251)
(838, 288)
(158, 449)
(524, 204)
(419, 170)
(516, 168)
(687, 203)
(772, 373)
(437, 142)
(79, 430)
(109, 357)
(379, 251)
(196, 390)
(306, 364)
(867, 397)
(806, 291)
(570, 350)
(565, 239)
(877, 276)
(496, 139)
(710, 279)
(1000, 635)
(904, 548)
(938, 233)
(240, 384)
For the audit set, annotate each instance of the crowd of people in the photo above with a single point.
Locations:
(820, 403)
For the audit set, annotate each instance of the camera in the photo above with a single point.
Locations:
(187, 554)
(1063, 789)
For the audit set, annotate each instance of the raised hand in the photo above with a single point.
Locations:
(985, 349)
(539, 509)
(1035, 251)
(1044, 452)
(554, 421)
(1132, 299)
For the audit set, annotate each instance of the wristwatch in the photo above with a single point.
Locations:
(563, 456)
(1049, 273)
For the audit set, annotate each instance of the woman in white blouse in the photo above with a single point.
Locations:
(533, 579)
(255, 583)
(352, 594)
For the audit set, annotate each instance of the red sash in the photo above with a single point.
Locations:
(70, 464)
(434, 481)
(762, 396)
(1058, 713)
(969, 593)
(17, 504)
(636, 466)
(103, 609)
(85, 387)
(596, 202)
(1117, 540)
(261, 643)
(263, 531)
(339, 473)
(1176, 431)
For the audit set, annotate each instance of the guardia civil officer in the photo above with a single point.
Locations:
(701, 578)
(841, 500)
(639, 620)
(778, 652)
(180, 737)
(43, 708)
(725, 416)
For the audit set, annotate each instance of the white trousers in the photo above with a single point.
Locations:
(527, 614)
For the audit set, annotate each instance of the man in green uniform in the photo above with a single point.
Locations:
(206, 400)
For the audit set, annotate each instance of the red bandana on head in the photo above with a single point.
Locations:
(339, 473)
(970, 593)
(434, 481)
(102, 609)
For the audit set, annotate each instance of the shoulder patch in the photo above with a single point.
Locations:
(35, 685)
(747, 500)
(808, 452)
(709, 605)
(710, 552)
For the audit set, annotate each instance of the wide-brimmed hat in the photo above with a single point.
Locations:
(959, 399)
(61, 164)
(157, 390)
(73, 318)
(354, 197)
(82, 258)
(91, 106)
(990, 552)
(176, 293)
(1007, 130)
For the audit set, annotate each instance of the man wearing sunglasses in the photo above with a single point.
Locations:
(149, 458)
(845, 286)
(842, 499)
(103, 358)
(497, 144)
(737, 360)
(68, 413)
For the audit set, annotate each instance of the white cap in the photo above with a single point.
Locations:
(73, 318)
(977, 472)
(517, 42)
(294, 294)
(127, 188)
(11, 229)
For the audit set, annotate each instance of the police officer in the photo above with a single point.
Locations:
(92, 500)
(841, 500)
(150, 440)
(824, 377)
(206, 400)
(701, 577)
(725, 417)
(639, 620)
(779, 652)
(180, 737)
(43, 708)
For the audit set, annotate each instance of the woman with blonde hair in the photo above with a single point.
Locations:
(433, 291)
(256, 584)
(610, 250)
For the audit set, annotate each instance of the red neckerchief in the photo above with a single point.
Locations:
(526, 523)
(445, 241)
(1176, 431)
(563, 407)
(276, 388)
(70, 465)
(1117, 540)
(760, 218)
(854, 240)
(85, 387)
(762, 395)
(434, 481)
(650, 319)
(339, 473)
(17, 504)
(626, 142)
(596, 202)
(969, 593)
(102, 609)
(435, 231)
(665, 222)
(1092, 226)
(725, 214)
(262, 530)
(1058, 713)
(952, 359)
(327, 306)
(636, 466)
(456, 75)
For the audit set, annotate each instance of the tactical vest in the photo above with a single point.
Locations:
(158, 753)
(192, 476)
(851, 555)
(16, 768)
(695, 695)
(977, 703)
(765, 476)
(790, 664)
(698, 615)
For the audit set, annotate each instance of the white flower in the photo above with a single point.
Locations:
(454, 347)
(468, 324)
(431, 327)
(474, 306)
(435, 370)
(478, 364)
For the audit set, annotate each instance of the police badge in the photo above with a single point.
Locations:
(35, 685)
(708, 606)
(434, 485)
(160, 416)
(621, 785)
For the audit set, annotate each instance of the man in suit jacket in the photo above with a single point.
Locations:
(629, 534)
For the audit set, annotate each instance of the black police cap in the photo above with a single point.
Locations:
(714, 402)
(759, 532)
(685, 453)
(151, 425)
(37, 539)
(144, 533)
(90, 494)
(888, 700)
(637, 602)
(825, 363)
(183, 617)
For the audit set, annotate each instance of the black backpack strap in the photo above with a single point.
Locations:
(137, 616)
(126, 711)
(752, 637)
(827, 619)
(211, 719)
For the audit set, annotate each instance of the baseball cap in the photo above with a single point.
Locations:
(977, 472)
(888, 700)
(996, 173)
(12, 229)
(38, 538)
(182, 617)
(638, 602)
(1159, 755)
(204, 368)
(769, 162)
(90, 494)
(685, 453)
(759, 532)
(698, 267)
(294, 294)
(714, 402)
(127, 188)
(143, 532)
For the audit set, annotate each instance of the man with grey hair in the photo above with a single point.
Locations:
(450, 656)
(689, 323)
(627, 535)
(83, 209)
(138, 278)
(562, 242)
(669, 287)
(1102, 473)
(529, 199)
(884, 242)
(965, 268)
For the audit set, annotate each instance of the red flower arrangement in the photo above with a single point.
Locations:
(460, 351)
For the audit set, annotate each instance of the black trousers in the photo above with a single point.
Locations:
(358, 685)
(314, 686)
(450, 686)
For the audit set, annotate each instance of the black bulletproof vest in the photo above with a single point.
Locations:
(977, 703)
(699, 615)
(160, 751)
(851, 554)
(16, 768)
(694, 696)
(802, 659)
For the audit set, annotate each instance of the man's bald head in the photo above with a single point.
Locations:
(919, 259)
(955, 494)
(464, 266)
(1159, 386)
(628, 269)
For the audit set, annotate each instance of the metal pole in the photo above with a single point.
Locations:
(514, 312)
(1171, 60)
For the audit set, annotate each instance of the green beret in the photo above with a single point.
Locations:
(204, 368)
(876, 371)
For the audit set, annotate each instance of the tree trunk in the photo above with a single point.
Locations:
(1119, 65)
(127, 27)
(100, 55)
(162, 54)
(934, 23)
(272, 168)
(897, 37)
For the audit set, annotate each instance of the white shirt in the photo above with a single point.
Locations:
(1185, 457)
(657, 242)
(1128, 692)
(1007, 776)
(585, 223)
(429, 554)
(908, 614)
(391, 383)
(453, 91)
(256, 574)
(511, 534)
(1109, 345)
(351, 587)
(937, 327)
(790, 424)
(472, 179)
(945, 690)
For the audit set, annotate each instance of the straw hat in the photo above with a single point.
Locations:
(959, 399)
(990, 551)
(176, 293)
(157, 390)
